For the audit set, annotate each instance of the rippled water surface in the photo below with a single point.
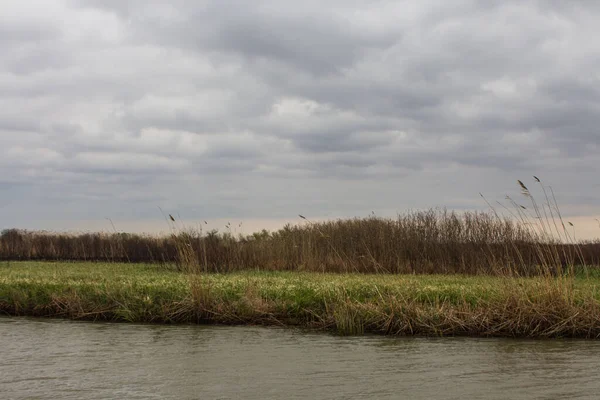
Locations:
(79, 360)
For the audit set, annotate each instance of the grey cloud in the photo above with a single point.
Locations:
(339, 142)
(37, 59)
(179, 119)
(573, 91)
(234, 153)
(289, 102)
(13, 32)
(18, 124)
(312, 43)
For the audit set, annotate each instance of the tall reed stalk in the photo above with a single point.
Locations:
(513, 238)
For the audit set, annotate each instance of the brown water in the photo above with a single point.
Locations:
(51, 359)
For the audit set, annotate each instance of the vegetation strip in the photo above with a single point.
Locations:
(423, 242)
(343, 303)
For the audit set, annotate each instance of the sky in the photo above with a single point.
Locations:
(256, 111)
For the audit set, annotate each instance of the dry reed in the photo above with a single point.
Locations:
(525, 240)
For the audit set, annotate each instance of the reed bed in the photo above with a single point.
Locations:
(423, 242)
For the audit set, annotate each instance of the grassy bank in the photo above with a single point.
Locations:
(344, 303)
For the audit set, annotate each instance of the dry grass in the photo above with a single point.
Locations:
(434, 241)
(343, 303)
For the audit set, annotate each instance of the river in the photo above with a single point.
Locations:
(51, 359)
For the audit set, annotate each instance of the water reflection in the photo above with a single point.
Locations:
(64, 359)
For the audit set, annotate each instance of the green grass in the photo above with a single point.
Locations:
(346, 303)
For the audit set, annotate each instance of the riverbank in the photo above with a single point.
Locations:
(343, 303)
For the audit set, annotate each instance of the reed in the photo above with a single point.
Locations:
(512, 238)
(434, 241)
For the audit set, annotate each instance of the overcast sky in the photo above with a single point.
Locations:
(260, 110)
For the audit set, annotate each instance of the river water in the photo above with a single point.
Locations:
(52, 359)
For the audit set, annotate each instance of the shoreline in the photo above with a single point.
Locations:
(346, 304)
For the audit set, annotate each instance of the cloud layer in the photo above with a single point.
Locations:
(264, 109)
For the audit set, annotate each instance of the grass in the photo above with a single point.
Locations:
(344, 303)
(424, 273)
